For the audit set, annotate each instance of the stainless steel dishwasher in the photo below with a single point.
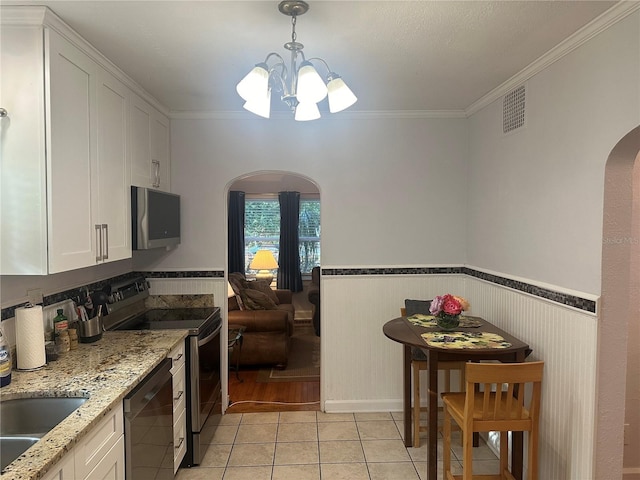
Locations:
(148, 426)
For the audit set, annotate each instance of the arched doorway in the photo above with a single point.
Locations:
(620, 303)
(261, 187)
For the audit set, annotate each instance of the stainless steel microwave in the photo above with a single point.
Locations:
(155, 217)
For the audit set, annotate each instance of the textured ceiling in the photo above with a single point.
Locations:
(395, 55)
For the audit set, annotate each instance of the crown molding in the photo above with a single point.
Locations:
(22, 16)
(39, 16)
(586, 33)
(612, 16)
(362, 115)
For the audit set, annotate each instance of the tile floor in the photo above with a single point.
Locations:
(316, 445)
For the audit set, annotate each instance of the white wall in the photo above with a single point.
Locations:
(543, 219)
(632, 402)
(536, 196)
(392, 190)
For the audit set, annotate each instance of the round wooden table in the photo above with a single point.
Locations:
(409, 335)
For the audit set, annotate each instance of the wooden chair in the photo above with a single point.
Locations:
(419, 364)
(501, 407)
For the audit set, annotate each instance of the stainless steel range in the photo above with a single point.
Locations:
(203, 382)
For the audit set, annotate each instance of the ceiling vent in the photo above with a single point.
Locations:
(513, 111)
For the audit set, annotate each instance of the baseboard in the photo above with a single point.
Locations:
(632, 473)
(358, 406)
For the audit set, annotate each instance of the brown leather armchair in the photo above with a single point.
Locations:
(266, 339)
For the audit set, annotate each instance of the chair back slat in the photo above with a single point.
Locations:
(486, 400)
(510, 400)
(504, 389)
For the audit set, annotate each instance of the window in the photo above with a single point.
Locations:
(262, 230)
(309, 234)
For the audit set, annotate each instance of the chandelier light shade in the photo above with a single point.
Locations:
(256, 81)
(311, 88)
(306, 111)
(340, 96)
(299, 85)
(260, 105)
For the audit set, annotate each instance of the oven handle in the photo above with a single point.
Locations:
(209, 337)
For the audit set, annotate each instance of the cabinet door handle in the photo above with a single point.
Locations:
(156, 166)
(105, 228)
(180, 393)
(180, 442)
(98, 243)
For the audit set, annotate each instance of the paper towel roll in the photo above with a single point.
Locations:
(30, 351)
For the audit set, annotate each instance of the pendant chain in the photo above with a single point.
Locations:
(293, 28)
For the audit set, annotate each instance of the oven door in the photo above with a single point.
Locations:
(206, 364)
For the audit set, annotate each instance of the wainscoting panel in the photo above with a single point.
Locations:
(361, 369)
(565, 339)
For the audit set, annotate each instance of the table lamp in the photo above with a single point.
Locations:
(263, 261)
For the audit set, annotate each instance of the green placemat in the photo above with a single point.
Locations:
(465, 340)
(430, 321)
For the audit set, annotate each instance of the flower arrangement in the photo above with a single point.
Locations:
(447, 309)
(448, 305)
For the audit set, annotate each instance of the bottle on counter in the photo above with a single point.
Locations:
(5, 360)
(61, 329)
(60, 322)
(73, 338)
(63, 342)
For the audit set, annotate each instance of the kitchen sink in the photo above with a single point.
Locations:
(11, 447)
(24, 421)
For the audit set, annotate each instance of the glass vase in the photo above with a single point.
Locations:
(448, 322)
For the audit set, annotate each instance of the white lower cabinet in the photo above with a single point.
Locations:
(111, 466)
(98, 456)
(179, 406)
(63, 470)
(92, 451)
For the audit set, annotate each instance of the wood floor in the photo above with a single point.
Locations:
(251, 396)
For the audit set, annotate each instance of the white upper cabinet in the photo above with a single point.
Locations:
(71, 154)
(23, 200)
(150, 154)
(160, 152)
(113, 180)
(74, 135)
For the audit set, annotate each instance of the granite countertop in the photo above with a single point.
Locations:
(104, 371)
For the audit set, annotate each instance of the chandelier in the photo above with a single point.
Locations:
(299, 86)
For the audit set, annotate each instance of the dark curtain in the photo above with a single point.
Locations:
(235, 220)
(289, 275)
